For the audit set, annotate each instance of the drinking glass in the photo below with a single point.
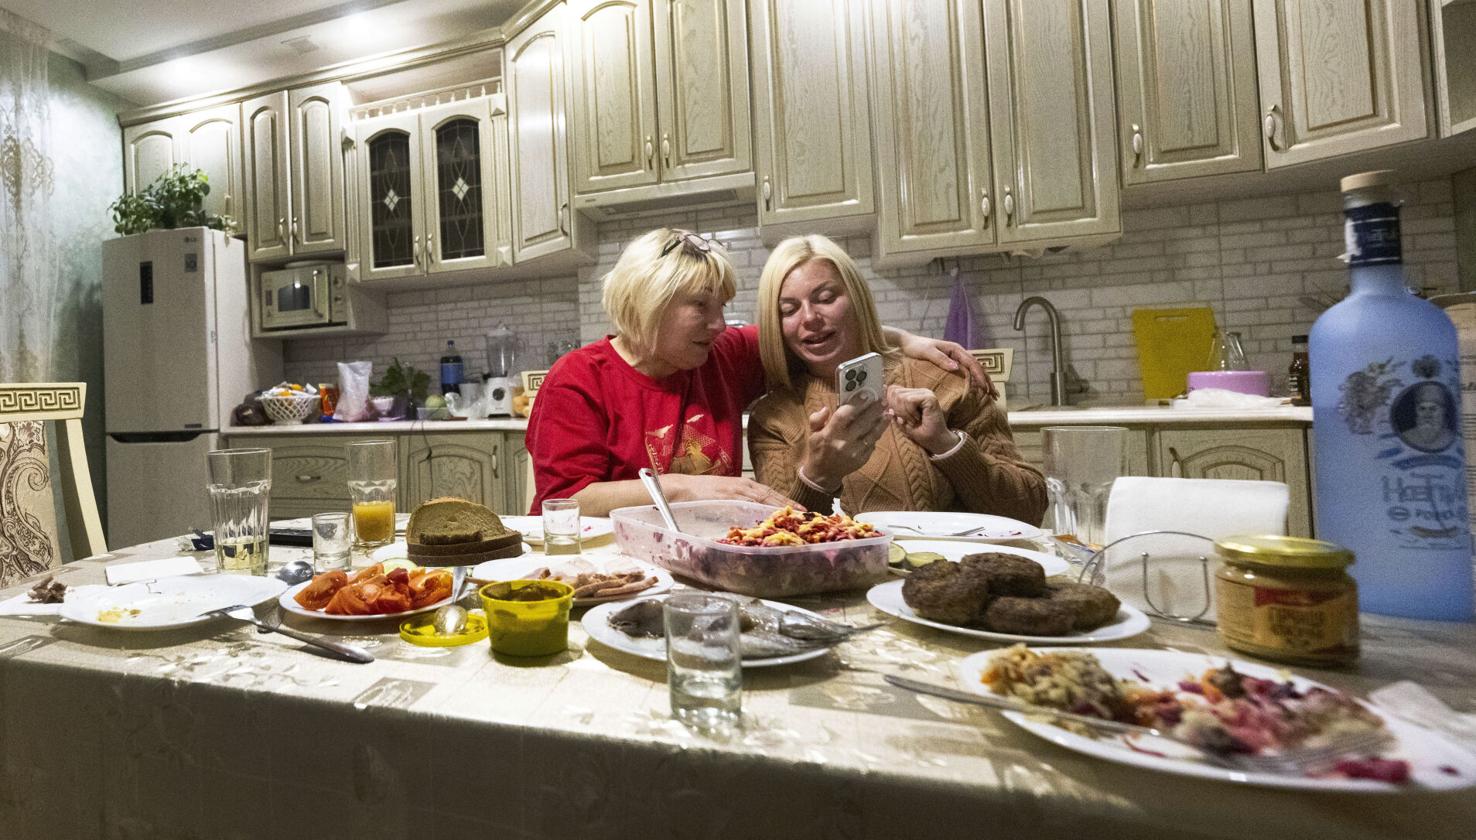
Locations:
(372, 486)
(1081, 462)
(332, 539)
(704, 671)
(561, 526)
(240, 483)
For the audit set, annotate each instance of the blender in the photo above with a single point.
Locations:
(502, 350)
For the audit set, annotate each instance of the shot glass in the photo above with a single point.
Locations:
(561, 526)
(704, 672)
(240, 484)
(332, 539)
(1080, 464)
(372, 484)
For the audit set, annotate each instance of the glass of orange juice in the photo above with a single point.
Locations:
(372, 485)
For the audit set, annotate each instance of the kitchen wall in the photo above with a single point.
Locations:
(1260, 263)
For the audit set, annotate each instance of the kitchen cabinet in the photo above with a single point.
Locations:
(1452, 24)
(811, 111)
(208, 139)
(429, 190)
(293, 152)
(1186, 89)
(660, 92)
(1032, 450)
(1338, 77)
(468, 466)
(519, 478)
(1244, 454)
(309, 472)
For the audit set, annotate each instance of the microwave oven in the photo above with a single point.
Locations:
(302, 296)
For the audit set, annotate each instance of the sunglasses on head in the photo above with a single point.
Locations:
(694, 244)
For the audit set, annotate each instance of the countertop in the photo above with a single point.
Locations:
(1139, 415)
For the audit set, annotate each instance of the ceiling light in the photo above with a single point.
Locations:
(302, 44)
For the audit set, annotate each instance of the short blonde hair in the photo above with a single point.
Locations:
(779, 364)
(644, 282)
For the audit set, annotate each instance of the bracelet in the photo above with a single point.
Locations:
(810, 483)
(963, 438)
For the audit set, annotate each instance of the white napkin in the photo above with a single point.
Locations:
(1416, 704)
(121, 573)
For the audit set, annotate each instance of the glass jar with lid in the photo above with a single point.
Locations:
(1288, 599)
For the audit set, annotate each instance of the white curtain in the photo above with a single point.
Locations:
(30, 269)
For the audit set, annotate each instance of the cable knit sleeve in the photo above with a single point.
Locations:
(989, 475)
(777, 430)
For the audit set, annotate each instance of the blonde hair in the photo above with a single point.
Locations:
(779, 364)
(644, 282)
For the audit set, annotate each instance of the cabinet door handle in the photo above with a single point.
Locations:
(430, 251)
(768, 193)
(415, 251)
(1269, 124)
(1009, 206)
(650, 151)
(281, 230)
(1176, 464)
(666, 148)
(564, 218)
(294, 229)
(494, 460)
(228, 204)
(308, 479)
(984, 206)
(1137, 143)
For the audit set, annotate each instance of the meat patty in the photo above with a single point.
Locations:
(1008, 574)
(1028, 616)
(946, 592)
(1093, 606)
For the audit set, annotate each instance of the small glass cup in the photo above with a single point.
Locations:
(1080, 464)
(332, 539)
(240, 485)
(704, 671)
(561, 526)
(372, 484)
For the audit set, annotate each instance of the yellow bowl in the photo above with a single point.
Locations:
(527, 628)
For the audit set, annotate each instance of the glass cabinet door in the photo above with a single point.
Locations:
(460, 230)
(391, 198)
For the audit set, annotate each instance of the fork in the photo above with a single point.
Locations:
(339, 650)
(967, 532)
(1288, 762)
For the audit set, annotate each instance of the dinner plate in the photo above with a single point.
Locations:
(516, 568)
(1130, 621)
(399, 550)
(597, 624)
(288, 603)
(957, 550)
(590, 527)
(167, 603)
(1435, 762)
(943, 525)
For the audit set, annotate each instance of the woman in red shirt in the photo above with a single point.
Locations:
(668, 390)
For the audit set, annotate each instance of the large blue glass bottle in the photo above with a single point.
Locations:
(1385, 398)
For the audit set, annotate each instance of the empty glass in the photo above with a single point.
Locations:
(1081, 462)
(372, 483)
(703, 665)
(560, 526)
(332, 539)
(240, 484)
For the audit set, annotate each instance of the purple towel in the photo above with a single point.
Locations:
(960, 327)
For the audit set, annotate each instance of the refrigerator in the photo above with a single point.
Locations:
(177, 358)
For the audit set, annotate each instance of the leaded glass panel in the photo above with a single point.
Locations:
(459, 189)
(389, 198)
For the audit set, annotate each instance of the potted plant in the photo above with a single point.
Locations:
(174, 200)
(399, 389)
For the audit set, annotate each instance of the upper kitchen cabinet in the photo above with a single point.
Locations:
(293, 150)
(932, 128)
(1338, 77)
(209, 139)
(1453, 23)
(149, 150)
(812, 117)
(1186, 89)
(660, 98)
(1052, 119)
(543, 223)
(391, 195)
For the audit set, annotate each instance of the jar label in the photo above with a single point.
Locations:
(1292, 621)
(1371, 234)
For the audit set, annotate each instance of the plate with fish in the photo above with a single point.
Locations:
(772, 633)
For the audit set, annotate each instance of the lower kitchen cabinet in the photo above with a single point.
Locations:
(467, 466)
(1029, 442)
(309, 472)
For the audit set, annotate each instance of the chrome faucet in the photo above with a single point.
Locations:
(1058, 370)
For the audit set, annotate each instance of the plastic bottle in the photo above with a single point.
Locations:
(451, 370)
(1298, 386)
(1390, 458)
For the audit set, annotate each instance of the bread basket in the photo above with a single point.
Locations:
(293, 409)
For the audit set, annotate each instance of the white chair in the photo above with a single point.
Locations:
(29, 537)
(1176, 582)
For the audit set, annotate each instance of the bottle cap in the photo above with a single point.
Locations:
(1367, 180)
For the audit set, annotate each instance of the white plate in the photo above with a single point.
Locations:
(399, 550)
(938, 525)
(288, 603)
(957, 550)
(1130, 621)
(597, 624)
(169, 603)
(1425, 750)
(590, 527)
(515, 568)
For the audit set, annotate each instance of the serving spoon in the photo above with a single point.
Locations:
(653, 487)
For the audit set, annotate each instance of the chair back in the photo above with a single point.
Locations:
(29, 534)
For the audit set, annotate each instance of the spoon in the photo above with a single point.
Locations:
(653, 487)
(294, 572)
(450, 619)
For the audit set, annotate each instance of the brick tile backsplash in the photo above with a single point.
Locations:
(1260, 263)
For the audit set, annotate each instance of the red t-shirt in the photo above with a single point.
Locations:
(596, 418)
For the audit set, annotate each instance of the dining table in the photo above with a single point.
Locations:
(221, 731)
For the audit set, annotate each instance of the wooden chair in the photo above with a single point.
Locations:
(997, 362)
(29, 537)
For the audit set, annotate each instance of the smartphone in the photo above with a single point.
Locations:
(863, 373)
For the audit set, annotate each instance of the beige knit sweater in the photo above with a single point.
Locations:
(987, 476)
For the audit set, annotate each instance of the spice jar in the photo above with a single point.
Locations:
(1288, 599)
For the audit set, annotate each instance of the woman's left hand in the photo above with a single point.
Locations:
(949, 355)
(917, 413)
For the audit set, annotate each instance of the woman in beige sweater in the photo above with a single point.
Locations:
(935, 443)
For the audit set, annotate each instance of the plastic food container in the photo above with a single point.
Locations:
(760, 571)
(527, 627)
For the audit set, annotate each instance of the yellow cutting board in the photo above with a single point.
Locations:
(1171, 343)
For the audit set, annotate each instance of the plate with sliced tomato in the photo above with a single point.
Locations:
(373, 593)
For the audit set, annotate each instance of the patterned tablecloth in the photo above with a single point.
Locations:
(220, 732)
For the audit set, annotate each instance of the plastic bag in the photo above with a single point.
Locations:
(353, 391)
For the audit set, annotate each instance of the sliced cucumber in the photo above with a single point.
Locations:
(918, 559)
(896, 555)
